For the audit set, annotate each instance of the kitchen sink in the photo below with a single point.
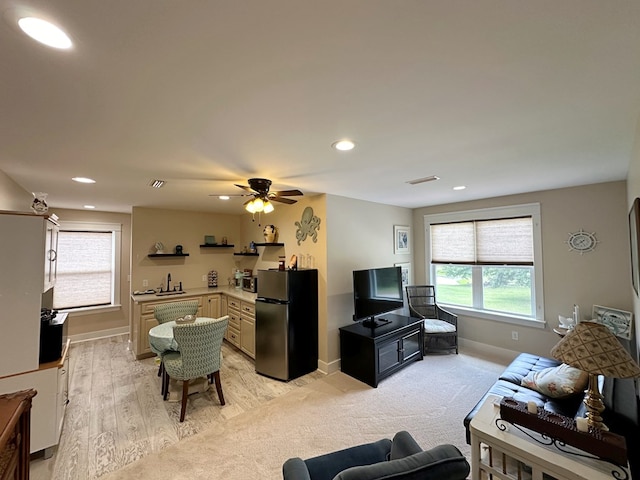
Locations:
(164, 294)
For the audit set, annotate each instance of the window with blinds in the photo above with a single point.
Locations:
(87, 263)
(488, 262)
(506, 241)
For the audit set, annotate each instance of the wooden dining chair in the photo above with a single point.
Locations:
(199, 356)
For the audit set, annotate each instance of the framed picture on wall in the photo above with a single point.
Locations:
(618, 321)
(401, 239)
(406, 272)
(634, 240)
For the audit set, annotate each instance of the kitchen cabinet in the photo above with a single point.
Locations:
(51, 381)
(233, 330)
(51, 253)
(212, 305)
(26, 254)
(248, 328)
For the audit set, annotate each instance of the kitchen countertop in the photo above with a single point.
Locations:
(197, 292)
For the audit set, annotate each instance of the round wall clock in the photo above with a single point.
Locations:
(582, 241)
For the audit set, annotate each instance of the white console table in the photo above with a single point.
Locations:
(511, 455)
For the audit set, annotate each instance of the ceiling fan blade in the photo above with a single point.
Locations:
(287, 193)
(230, 194)
(288, 201)
(244, 187)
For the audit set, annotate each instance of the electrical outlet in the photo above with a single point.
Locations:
(514, 335)
(145, 283)
(204, 278)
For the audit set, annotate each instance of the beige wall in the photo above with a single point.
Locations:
(601, 277)
(13, 196)
(359, 236)
(177, 227)
(103, 323)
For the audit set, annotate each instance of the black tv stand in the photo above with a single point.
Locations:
(371, 354)
(374, 322)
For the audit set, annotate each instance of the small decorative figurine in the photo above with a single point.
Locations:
(270, 233)
(39, 204)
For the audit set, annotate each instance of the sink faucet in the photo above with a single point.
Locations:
(168, 282)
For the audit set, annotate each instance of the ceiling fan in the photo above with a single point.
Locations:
(258, 188)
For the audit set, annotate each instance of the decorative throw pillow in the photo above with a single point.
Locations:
(557, 382)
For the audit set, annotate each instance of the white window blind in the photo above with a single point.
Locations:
(507, 241)
(85, 269)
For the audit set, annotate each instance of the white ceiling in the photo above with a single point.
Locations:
(501, 96)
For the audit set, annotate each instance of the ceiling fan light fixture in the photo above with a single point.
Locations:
(258, 204)
(250, 207)
(268, 207)
(223, 197)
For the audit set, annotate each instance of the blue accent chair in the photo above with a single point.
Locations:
(401, 458)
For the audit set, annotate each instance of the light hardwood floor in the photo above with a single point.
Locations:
(116, 414)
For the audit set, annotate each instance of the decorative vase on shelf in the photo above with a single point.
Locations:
(270, 233)
(39, 204)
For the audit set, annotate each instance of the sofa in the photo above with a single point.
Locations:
(621, 401)
(401, 458)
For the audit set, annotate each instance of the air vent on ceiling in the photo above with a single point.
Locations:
(156, 183)
(423, 180)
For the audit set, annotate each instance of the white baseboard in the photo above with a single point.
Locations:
(330, 367)
(501, 355)
(112, 332)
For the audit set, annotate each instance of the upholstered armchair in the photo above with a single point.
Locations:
(440, 326)
(400, 459)
(199, 356)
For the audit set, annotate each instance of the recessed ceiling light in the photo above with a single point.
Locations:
(343, 145)
(45, 32)
(83, 180)
(90, 207)
(459, 187)
(224, 197)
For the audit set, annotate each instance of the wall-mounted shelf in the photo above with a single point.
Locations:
(216, 246)
(269, 244)
(168, 255)
(247, 254)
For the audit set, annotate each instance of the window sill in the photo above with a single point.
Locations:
(92, 310)
(495, 317)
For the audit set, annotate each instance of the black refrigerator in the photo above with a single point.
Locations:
(287, 323)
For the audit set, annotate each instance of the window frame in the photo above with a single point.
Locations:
(531, 209)
(116, 230)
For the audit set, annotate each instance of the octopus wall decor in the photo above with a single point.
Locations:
(307, 226)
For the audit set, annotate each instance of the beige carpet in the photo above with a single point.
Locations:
(429, 399)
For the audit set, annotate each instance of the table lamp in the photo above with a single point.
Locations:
(592, 348)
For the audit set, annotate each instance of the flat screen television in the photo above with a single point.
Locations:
(376, 291)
